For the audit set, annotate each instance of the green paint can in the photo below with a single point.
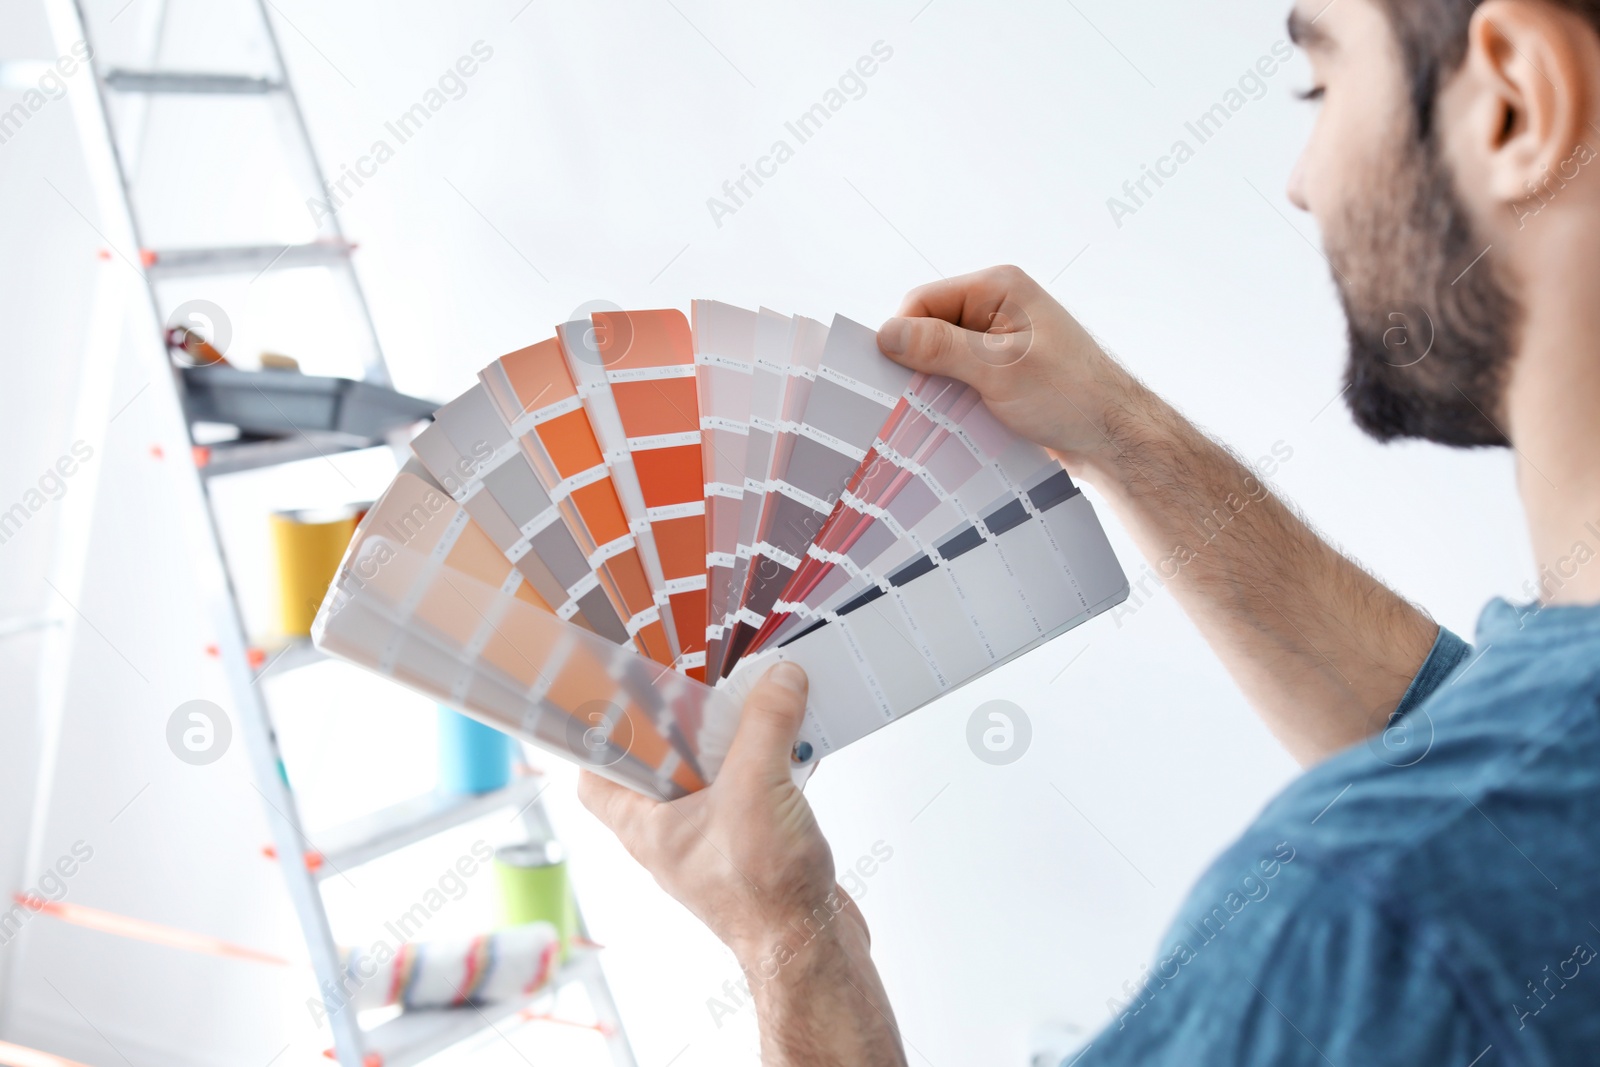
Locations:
(534, 888)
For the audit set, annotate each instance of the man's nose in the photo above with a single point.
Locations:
(1297, 185)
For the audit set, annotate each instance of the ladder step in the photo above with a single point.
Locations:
(171, 81)
(417, 819)
(248, 259)
(414, 1036)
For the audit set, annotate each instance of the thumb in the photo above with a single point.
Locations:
(771, 718)
(931, 345)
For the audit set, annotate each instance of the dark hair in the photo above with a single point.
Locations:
(1433, 42)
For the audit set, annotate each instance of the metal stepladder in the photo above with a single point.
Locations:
(409, 1037)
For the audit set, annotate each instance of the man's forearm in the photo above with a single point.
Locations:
(1322, 649)
(819, 1000)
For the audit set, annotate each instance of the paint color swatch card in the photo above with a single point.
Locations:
(603, 543)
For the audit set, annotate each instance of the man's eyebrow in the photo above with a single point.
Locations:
(1304, 32)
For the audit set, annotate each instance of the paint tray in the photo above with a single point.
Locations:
(274, 403)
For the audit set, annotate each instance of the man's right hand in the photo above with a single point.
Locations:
(1322, 649)
(1037, 369)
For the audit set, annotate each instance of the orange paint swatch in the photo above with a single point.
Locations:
(670, 476)
(538, 376)
(629, 340)
(681, 543)
(601, 510)
(569, 442)
(658, 406)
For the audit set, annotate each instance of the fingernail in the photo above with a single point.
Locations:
(893, 336)
(788, 675)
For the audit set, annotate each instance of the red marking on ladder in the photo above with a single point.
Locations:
(104, 255)
(255, 657)
(528, 1015)
(202, 456)
(314, 859)
(213, 651)
(147, 257)
(155, 450)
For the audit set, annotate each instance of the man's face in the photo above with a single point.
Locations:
(1430, 323)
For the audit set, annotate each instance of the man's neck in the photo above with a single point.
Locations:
(1553, 410)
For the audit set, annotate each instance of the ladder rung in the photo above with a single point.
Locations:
(413, 1036)
(164, 81)
(247, 259)
(393, 828)
(232, 457)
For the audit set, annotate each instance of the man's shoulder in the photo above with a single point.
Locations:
(1275, 958)
(1415, 898)
(1460, 796)
(1453, 893)
(1494, 745)
(1472, 838)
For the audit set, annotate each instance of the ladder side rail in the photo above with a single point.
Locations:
(374, 368)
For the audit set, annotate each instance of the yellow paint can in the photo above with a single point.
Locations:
(309, 545)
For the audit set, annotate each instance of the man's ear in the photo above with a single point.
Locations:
(1525, 90)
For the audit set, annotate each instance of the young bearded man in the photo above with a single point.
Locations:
(1441, 913)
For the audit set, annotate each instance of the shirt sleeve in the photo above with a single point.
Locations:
(1304, 972)
(1448, 653)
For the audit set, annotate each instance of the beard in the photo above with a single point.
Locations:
(1430, 323)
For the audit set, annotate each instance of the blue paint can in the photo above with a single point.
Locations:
(473, 758)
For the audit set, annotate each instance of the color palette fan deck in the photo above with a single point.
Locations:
(602, 544)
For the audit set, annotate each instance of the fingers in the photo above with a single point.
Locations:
(970, 300)
(772, 716)
(620, 808)
(964, 328)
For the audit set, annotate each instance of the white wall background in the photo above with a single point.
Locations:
(577, 166)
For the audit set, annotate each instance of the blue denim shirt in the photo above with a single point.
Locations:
(1431, 897)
